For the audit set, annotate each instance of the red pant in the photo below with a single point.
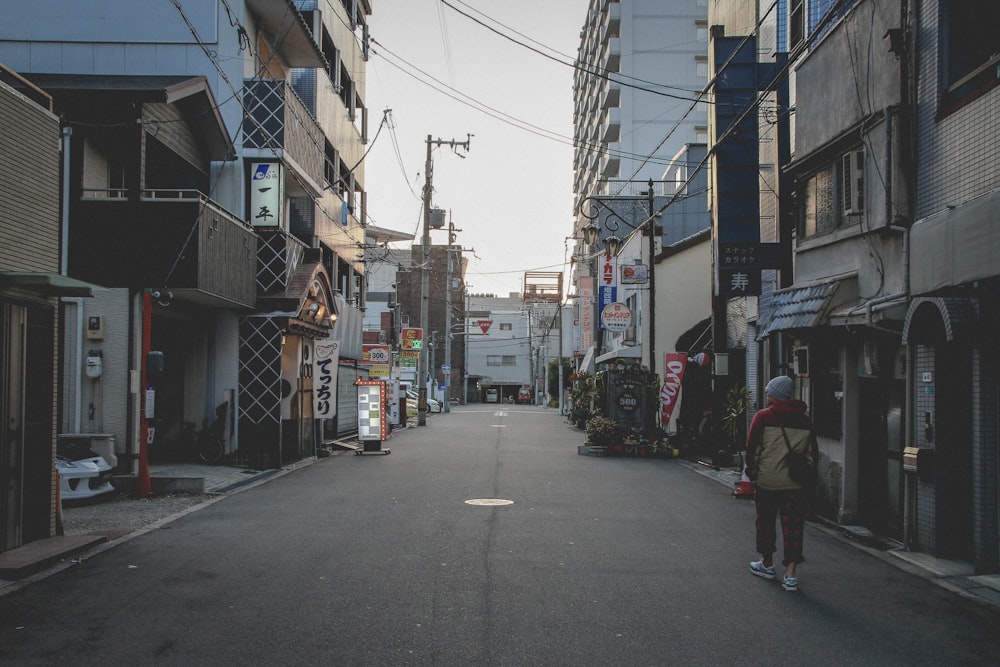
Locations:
(792, 505)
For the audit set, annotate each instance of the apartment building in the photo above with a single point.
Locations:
(641, 67)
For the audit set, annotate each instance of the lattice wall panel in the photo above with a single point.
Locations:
(260, 370)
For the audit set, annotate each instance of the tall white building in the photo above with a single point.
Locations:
(640, 65)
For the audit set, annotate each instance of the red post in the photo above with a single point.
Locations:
(143, 485)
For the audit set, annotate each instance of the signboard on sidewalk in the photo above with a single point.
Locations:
(673, 375)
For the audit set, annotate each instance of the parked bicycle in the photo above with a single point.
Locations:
(210, 441)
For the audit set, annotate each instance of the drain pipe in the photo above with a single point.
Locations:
(890, 111)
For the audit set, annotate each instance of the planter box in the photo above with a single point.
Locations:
(591, 450)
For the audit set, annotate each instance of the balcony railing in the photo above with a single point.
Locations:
(174, 240)
(278, 122)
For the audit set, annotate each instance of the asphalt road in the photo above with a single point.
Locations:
(381, 560)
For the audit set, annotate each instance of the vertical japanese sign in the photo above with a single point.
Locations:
(673, 375)
(586, 291)
(326, 356)
(266, 195)
(608, 288)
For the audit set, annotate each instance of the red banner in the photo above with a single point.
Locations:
(673, 374)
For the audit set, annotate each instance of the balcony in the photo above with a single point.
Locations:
(611, 125)
(174, 240)
(278, 124)
(610, 164)
(611, 55)
(611, 94)
(611, 21)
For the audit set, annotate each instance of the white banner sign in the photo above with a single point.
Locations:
(266, 194)
(326, 357)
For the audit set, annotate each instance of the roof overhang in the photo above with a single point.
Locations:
(799, 307)
(381, 234)
(296, 44)
(47, 284)
(192, 95)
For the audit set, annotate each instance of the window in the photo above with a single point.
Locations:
(796, 22)
(501, 360)
(701, 67)
(970, 50)
(506, 326)
(833, 196)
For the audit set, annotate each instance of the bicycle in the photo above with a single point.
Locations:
(210, 442)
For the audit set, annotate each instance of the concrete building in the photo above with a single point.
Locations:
(235, 130)
(32, 278)
(499, 347)
(876, 287)
(951, 325)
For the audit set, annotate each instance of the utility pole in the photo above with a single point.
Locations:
(653, 365)
(425, 271)
(448, 335)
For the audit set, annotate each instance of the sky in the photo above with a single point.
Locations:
(445, 75)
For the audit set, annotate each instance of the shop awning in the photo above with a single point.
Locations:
(799, 307)
(48, 284)
(587, 365)
(621, 353)
(697, 338)
(957, 246)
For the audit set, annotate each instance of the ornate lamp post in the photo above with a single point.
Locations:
(597, 208)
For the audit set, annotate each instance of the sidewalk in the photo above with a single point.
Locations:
(178, 490)
(955, 576)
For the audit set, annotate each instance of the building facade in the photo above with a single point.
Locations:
(642, 66)
(31, 281)
(231, 129)
(876, 286)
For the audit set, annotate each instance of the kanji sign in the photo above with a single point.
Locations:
(485, 325)
(325, 358)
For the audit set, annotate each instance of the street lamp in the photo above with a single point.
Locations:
(598, 207)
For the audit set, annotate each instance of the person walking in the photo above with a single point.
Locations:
(775, 432)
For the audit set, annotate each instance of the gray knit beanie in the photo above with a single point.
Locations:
(780, 388)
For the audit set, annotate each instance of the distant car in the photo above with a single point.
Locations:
(433, 405)
(525, 396)
(83, 473)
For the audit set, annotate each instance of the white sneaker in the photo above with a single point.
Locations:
(758, 568)
(790, 583)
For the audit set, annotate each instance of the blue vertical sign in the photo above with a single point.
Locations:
(607, 294)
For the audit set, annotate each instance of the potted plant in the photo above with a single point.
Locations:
(602, 431)
(734, 409)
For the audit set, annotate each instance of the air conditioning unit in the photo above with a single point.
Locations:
(852, 182)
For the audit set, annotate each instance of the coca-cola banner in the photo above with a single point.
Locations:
(673, 373)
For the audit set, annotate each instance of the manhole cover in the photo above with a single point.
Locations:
(489, 501)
